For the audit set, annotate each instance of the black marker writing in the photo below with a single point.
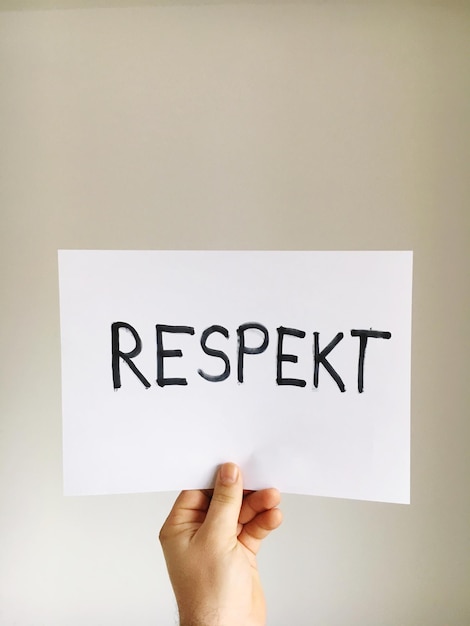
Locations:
(125, 356)
(320, 357)
(291, 358)
(218, 353)
(161, 353)
(363, 337)
(243, 349)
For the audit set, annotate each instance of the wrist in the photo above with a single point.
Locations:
(200, 618)
(212, 618)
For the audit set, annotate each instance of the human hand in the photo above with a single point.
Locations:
(210, 546)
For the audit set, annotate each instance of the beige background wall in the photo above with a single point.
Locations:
(328, 125)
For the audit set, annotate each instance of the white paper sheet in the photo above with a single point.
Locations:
(123, 432)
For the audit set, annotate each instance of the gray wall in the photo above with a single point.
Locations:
(326, 125)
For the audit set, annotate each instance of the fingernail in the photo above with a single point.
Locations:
(228, 474)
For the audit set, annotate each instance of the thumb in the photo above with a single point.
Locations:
(224, 508)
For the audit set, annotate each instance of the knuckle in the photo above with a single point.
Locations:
(163, 534)
(223, 498)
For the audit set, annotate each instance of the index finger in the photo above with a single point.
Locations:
(185, 505)
(257, 502)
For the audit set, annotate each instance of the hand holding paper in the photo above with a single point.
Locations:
(210, 546)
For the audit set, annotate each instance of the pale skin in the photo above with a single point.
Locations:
(210, 542)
